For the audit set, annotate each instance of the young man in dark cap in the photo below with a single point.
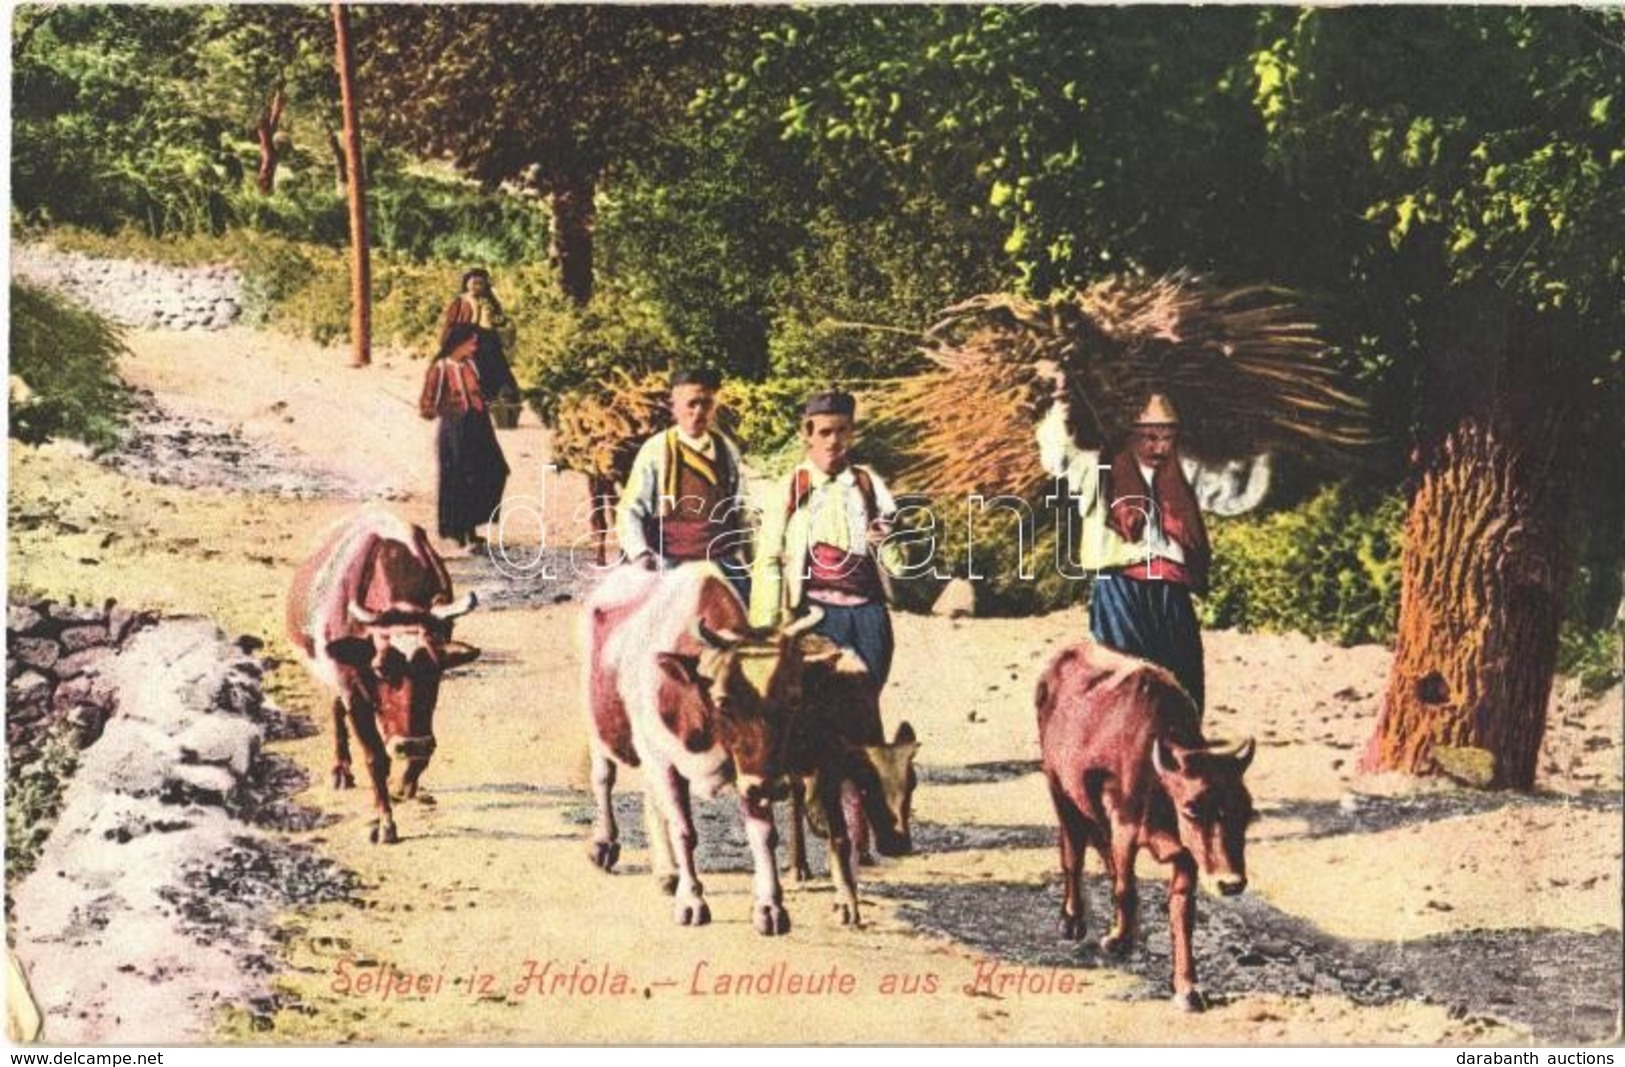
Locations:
(682, 500)
(823, 541)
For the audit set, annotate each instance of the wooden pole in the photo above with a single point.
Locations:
(360, 262)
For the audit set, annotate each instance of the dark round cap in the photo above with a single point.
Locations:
(833, 402)
(708, 377)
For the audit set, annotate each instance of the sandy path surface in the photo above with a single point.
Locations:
(1376, 914)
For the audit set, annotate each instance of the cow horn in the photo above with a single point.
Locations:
(1231, 749)
(361, 614)
(459, 607)
(1156, 757)
(1244, 753)
(721, 640)
(806, 623)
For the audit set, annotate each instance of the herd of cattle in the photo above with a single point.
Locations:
(679, 684)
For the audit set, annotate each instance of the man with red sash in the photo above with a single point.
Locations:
(1144, 607)
(824, 542)
(682, 500)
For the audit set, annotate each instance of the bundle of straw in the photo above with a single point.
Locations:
(599, 428)
(1242, 366)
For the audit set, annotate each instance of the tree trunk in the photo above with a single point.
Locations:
(1486, 553)
(571, 240)
(360, 263)
(270, 119)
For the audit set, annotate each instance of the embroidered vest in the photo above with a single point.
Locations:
(696, 497)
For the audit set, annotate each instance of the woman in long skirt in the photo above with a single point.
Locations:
(473, 472)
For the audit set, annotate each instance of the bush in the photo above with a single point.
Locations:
(1328, 568)
(768, 419)
(67, 358)
(33, 800)
(1591, 657)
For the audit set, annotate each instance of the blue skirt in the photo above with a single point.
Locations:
(1151, 620)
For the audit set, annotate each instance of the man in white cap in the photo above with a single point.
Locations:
(1142, 533)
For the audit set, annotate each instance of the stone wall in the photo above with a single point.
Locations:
(56, 655)
(134, 293)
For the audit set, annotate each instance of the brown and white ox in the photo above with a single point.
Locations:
(372, 611)
(679, 685)
(1128, 769)
(848, 783)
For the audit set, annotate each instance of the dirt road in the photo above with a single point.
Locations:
(1376, 915)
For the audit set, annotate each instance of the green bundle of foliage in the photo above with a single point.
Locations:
(67, 359)
(1328, 568)
(577, 347)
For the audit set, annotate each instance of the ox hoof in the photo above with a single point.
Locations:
(1072, 928)
(604, 854)
(342, 778)
(693, 913)
(1191, 1000)
(668, 885)
(425, 798)
(799, 873)
(772, 920)
(383, 835)
(1113, 945)
(866, 859)
(844, 914)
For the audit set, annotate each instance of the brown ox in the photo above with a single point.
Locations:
(372, 611)
(1128, 768)
(678, 686)
(849, 782)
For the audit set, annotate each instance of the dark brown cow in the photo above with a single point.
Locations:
(677, 685)
(847, 782)
(1128, 768)
(372, 611)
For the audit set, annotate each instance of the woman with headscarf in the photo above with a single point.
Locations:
(478, 306)
(473, 471)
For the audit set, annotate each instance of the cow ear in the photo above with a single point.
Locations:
(457, 654)
(905, 735)
(684, 670)
(356, 652)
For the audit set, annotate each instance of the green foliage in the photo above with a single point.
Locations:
(1508, 169)
(768, 419)
(33, 800)
(109, 123)
(583, 88)
(1328, 568)
(866, 287)
(1590, 656)
(68, 357)
(428, 218)
(575, 347)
